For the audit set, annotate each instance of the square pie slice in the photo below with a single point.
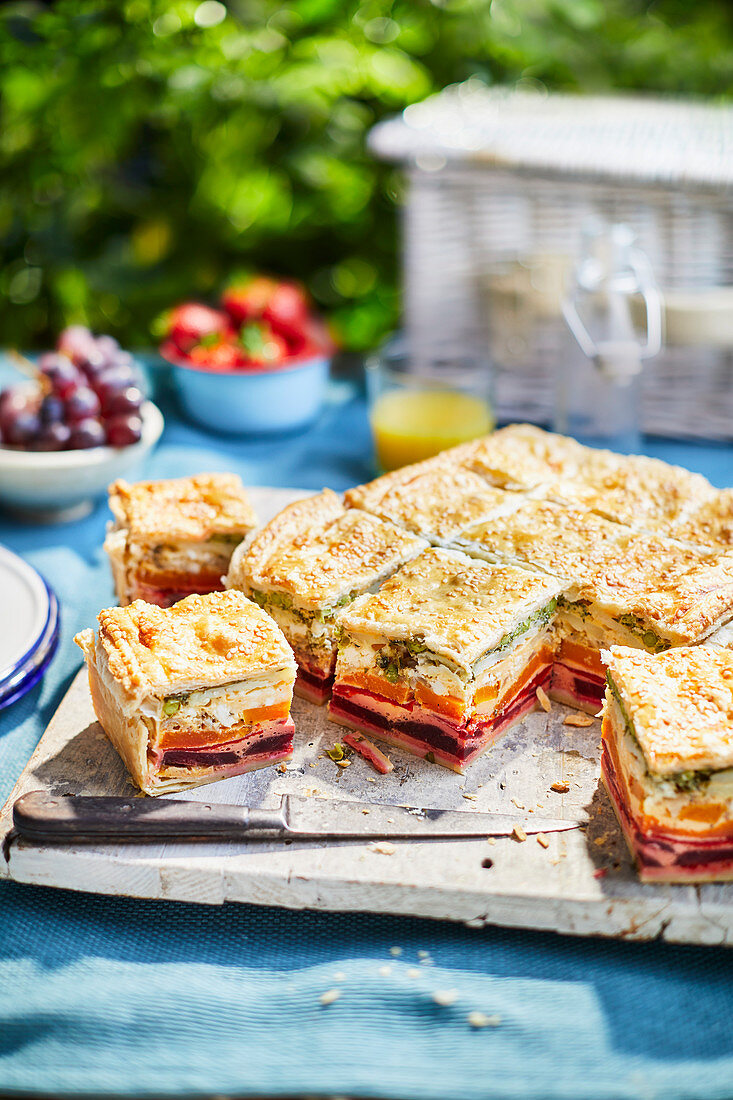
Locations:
(447, 654)
(313, 558)
(175, 537)
(637, 490)
(431, 500)
(623, 586)
(709, 523)
(191, 693)
(522, 456)
(667, 760)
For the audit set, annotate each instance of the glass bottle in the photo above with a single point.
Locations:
(598, 386)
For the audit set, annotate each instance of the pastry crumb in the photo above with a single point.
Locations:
(543, 840)
(480, 1019)
(383, 847)
(560, 787)
(519, 834)
(445, 997)
(329, 996)
(395, 951)
(578, 720)
(543, 700)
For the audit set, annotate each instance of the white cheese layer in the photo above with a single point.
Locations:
(360, 656)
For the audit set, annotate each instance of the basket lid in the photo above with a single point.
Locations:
(675, 143)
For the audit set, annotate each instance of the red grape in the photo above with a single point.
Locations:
(128, 400)
(53, 437)
(76, 342)
(123, 430)
(22, 429)
(81, 405)
(107, 347)
(61, 373)
(87, 433)
(112, 381)
(14, 400)
(51, 410)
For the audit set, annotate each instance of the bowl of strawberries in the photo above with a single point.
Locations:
(256, 364)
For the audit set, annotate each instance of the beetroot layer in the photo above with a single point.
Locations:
(661, 857)
(316, 689)
(204, 758)
(273, 740)
(421, 731)
(577, 687)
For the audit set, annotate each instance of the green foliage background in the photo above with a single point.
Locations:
(151, 148)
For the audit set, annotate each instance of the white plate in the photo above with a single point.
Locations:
(25, 607)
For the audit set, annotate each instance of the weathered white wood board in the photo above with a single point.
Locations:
(526, 886)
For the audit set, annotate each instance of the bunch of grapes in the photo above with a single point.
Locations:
(89, 394)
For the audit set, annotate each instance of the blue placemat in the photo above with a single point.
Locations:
(123, 997)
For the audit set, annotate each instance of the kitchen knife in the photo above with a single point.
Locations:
(66, 819)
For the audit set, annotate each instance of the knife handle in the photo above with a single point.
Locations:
(84, 819)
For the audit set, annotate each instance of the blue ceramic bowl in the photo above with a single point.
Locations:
(252, 401)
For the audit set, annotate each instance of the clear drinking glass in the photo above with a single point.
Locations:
(424, 400)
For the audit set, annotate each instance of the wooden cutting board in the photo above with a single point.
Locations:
(582, 884)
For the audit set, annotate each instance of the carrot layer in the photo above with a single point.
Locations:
(189, 738)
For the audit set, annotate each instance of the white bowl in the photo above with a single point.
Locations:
(48, 486)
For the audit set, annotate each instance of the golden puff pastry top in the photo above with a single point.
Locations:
(682, 592)
(633, 489)
(185, 508)
(317, 551)
(710, 523)
(433, 501)
(199, 642)
(521, 456)
(460, 608)
(681, 704)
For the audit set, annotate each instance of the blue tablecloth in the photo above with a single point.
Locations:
(123, 997)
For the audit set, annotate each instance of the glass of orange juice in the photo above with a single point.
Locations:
(424, 401)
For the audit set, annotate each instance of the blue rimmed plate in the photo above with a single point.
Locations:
(30, 627)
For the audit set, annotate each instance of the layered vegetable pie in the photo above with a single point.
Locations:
(310, 561)
(667, 760)
(445, 655)
(620, 586)
(174, 537)
(194, 692)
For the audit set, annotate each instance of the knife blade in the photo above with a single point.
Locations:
(39, 815)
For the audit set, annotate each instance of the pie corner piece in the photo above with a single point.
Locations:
(174, 537)
(667, 760)
(309, 562)
(191, 693)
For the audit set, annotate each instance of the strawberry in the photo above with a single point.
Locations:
(222, 355)
(246, 301)
(192, 323)
(262, 346)
(313, 339)
(287, 311)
